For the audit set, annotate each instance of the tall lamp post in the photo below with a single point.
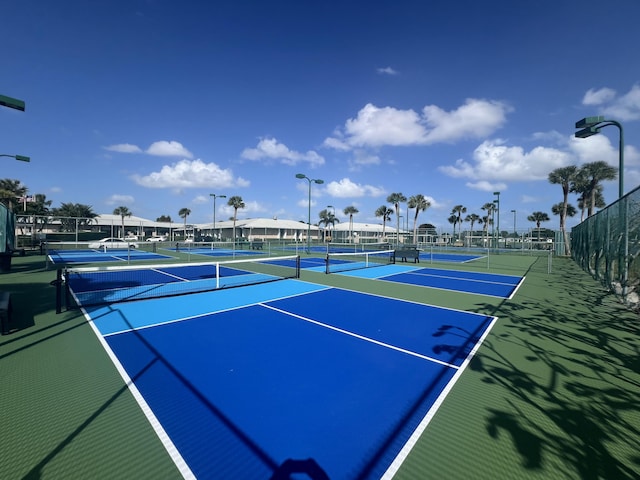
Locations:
(21, 158)
(592, 126)
(213, 229)
(515, 233)
(310, 180)
(497, 202)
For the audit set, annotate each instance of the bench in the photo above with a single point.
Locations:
(406, 253)
(256, 245)
(5, 312)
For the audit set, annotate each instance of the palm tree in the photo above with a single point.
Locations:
(39, 208)
(569, 211)
(384, 212)
(420, 204)
(327, 218)
(11, 191)
(236, 202)
(472, 218)
(123, 212)
(396, 199)
(564, 177)
(184, 213)
(164, 218)
(488, 207)
(538, 218)
(457, 211)
(74, 215)
(592, 174)
(351, 211)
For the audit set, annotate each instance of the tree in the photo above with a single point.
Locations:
(327, 218)
(420, 203)
(487, 219)
(457, 211)
(36, 211)
(351, 211)
(236, 202)
(384, 212)
(564, 177)
(184, 213)
(11, 191)
(591, 175)
(396, 199)
(164, 218)
(123, 212)
(74, 216)
(538, 218)
(472, 218)
(569, 211)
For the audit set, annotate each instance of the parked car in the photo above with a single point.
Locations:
(157, 239)
(112, 243)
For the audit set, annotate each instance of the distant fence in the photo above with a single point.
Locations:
(607, 245)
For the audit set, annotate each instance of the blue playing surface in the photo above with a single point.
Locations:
(242, 380)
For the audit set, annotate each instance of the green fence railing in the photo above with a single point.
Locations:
(607, 246)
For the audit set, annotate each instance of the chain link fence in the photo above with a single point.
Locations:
(607, 245)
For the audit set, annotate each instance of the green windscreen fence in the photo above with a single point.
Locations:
(607, 245)
(7, 229)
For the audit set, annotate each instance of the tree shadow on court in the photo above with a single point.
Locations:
(564, 357)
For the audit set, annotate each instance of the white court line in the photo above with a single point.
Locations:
(361, 337)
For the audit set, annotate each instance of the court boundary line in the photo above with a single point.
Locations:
(404, 452)
(181, 465)
(360, 337)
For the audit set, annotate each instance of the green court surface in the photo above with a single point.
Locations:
(553, 392)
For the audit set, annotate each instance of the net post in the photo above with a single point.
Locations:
(297, 266)
(58, 282)
(326, 263)
(217, 275)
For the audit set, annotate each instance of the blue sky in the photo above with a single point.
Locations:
(156, 104)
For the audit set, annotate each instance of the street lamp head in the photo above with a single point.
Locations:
(22, 158)
(587, 132)
(300, 175)
(496, 193)
(318, 181)
(589, 122)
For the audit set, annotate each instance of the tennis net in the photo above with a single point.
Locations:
(344, 261)
(92, 286)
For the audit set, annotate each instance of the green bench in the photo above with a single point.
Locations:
(404, 254)
(256, 245)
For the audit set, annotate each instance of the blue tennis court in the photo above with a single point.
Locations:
(490, 284)
(237, 382)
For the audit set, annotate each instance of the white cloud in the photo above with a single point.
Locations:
(598, 97)
(168, 149)
(123, 148)
(376, 127)
(271, 149)
(486, 186)
(190, 174)
(621, 108)
(494, 161)
(387, 71)
(345, 188)
(116, 199)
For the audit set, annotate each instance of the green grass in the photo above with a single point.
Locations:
(554, 392)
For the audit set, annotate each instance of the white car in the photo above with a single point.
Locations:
(157, 239)
(112, 243)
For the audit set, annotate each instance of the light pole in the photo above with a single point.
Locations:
(21, 158)
(515, 234)
(319, 182)
(213, 229)
(497, 202)
(592, 126)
